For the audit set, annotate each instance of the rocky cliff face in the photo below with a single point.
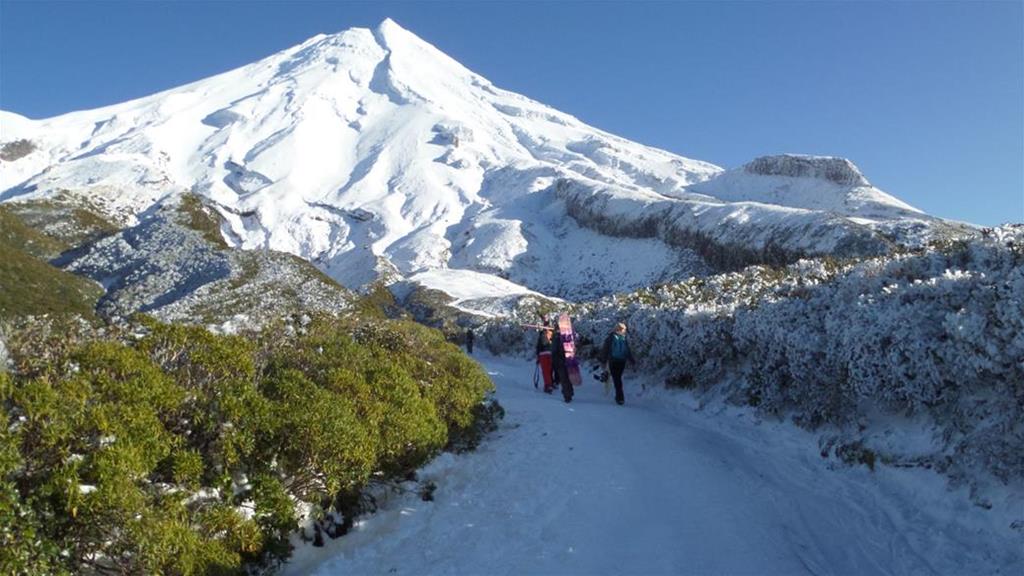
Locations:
(721, 236)
(836, 170)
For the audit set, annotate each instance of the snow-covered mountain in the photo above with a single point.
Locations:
(372, 154)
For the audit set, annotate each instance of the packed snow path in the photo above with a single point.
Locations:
(646, 488)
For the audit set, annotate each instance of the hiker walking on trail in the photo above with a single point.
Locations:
(559, 368)
(544, 356)
(469, 341)
(616, 353)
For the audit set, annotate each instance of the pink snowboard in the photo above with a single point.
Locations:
(572, 364)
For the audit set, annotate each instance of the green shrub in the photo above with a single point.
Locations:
(16, 235)
(31, 286)
(486, 416)
(378, 303)
(24, 549)
(187, 468)
(322, 445)
(224, 411)
(69, 220)
(274, 512)
(199, 217)
(446, 376)
(137, 454)
(93, 439)
(409, 427)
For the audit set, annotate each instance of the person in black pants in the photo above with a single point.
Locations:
(469, 341)
(616, 352)
(559, 368)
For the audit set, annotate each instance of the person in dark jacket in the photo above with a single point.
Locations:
(559, 367)
(616, 352)
(469, 341)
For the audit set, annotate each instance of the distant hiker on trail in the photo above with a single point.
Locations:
(469, 341)
(559, 367)
(616, 353)
(544, 356)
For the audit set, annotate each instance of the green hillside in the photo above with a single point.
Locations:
(29, 285)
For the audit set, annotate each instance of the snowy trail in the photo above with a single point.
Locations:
(595, 488)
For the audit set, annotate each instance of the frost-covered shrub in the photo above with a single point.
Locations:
(783, 344)
(505, 337)
(511, 335)
(691, 345)
(936, 332)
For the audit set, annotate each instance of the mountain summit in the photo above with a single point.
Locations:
(374, 155)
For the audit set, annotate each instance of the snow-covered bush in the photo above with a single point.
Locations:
(678, 341)
(935, 333)
(509, 336)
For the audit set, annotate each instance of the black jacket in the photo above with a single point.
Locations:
(543, 343)
(557, 351)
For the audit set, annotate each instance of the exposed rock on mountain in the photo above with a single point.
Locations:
(165, 267)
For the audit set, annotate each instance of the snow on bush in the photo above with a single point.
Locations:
(937, 333)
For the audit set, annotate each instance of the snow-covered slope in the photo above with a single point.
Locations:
(371, 153)
(809, 182)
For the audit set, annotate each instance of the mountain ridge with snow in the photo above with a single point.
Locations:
(373, 155)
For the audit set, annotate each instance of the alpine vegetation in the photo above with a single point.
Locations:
(134, 446)
(161, 448)
(930, 338)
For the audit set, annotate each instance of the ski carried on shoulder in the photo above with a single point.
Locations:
(535, 326)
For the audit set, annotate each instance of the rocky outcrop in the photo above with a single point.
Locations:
(11, 151)
(832, 169)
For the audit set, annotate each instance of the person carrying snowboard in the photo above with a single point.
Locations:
(559, 367)
(544, 357)
(616, 353)
(469, 341)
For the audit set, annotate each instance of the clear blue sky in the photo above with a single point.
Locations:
(926, 97)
